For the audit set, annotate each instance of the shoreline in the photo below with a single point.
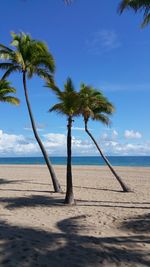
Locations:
(75, 166)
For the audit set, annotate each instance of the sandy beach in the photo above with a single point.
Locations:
(105, 228)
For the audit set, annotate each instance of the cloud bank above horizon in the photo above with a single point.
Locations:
(55, 144)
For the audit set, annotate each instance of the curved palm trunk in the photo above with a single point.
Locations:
(56, 184)
(123, 185)
(69, 186)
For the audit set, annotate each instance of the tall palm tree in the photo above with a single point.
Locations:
(5, 91)
(67, 106)
(94, 105)
(137, 5)
(29, 57)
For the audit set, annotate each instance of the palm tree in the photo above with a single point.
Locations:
(29, 57)
(94, 105)
(137, 5)
(5, 90)
(67, 106)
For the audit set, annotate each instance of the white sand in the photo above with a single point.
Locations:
(105, 228)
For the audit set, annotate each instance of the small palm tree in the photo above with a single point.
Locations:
(29, 57)
(94, 105)
(5, 91)
(67, 106)
(137, 5)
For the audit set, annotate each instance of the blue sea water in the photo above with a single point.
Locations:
(139, 161)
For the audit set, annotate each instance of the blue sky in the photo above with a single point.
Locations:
(91, 43)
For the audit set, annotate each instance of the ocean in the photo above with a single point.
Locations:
(135, 161)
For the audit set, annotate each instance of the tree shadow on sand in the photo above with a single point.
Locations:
(138, 224)
(69, 247)
(47, 201)
(26, 190)
(114, 204)
(6, 181)
(31, 201)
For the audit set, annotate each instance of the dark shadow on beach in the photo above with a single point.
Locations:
(47, 201)
(138, 224)
(31, 201)
(97, 188)
(4, 181)
(30, 247)
(27, 190)
(113, 204)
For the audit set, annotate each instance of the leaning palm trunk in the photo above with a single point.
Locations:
(123, 185)
(69, 187)
(56, 184)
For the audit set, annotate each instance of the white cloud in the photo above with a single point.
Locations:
(109, 136)
(104, 137)
(55, 144)
(55, 138)
(114, 134)
(78, 128)
(126, 149)
(103, 41)
(39, 127)
(109, 39)
(16, 144)
(131, 134)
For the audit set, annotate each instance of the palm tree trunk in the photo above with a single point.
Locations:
(56, 184)
(123, 185)
(69, 186)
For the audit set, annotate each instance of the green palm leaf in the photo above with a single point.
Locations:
(5, 90)
(29, 55)
(68, 98)
(94, 105)
(137, 5)
(102, 118)
(10, 99)
(11, 70)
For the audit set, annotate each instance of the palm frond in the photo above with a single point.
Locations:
(68, 86)
(31, 55)
(11, 70)
(5, 90)
(41, 72)
(5, 48)
(58, 108)
(68, 99)
(146, 21)
(4, 55)
(94, 105)
(102, 118)
(53, 87)
(45, 61)
(10, 99)
(137, 5)
(6, 65)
